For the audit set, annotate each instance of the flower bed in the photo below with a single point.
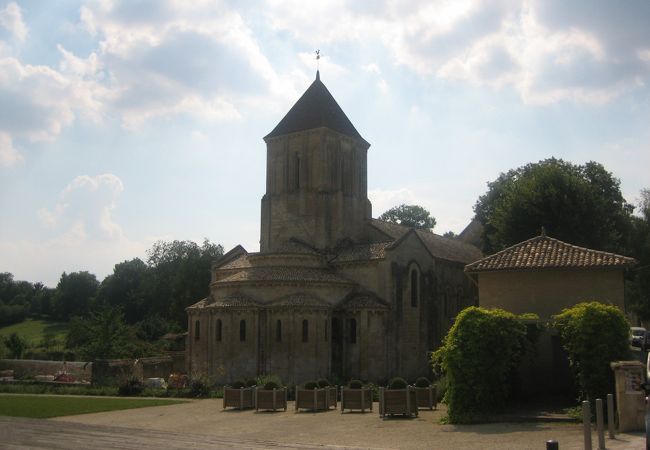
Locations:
(398, 401)
(271, 399)
(353, 398)
(316, 399)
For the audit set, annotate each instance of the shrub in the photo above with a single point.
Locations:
(16, 345)
(355, 384)
(397, 383)
(199, 388)
(478, 356)
(238, 384)
(271, 380)
(130, 387)
(270, 385)
(422, 382)
(322, 383)
(593, 335)
(251, 383)
(310, 385)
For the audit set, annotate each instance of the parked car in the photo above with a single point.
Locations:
(637, 336)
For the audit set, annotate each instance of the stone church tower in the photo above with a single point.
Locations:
(332, 292)
(316, 176)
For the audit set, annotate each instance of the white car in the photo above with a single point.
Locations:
(637, 336)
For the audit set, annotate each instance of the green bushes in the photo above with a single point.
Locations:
(130, 387)
(422, 382)
(397, 383)
(355, 384)
(323, 383)
(310, 385)
(478, 356)
(593, 335)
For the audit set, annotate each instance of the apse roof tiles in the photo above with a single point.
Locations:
(543, 252)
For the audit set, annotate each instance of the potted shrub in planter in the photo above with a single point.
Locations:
(313, 397)
(425, 393)
(398, 398)
(272, 396)
(239, 395)
(356, 396)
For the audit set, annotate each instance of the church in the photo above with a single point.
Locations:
(332, 292)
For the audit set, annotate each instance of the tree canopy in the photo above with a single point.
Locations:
(413, 216)
(579, 204)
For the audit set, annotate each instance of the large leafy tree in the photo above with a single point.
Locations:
(413, 216)
(638, 287)
(180, 275)
(127, 288)
(580, 204)
(74, 294)
(103, 334)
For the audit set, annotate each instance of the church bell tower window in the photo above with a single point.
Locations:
(218, 330)
(305, 330)
(242, 330)
(278, 331)
(197, 330)
(415, 287)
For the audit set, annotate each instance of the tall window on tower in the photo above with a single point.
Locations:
(218, 330)
(278, 331)
(305, 330)
(296, 172)
(353, 331)
(197, 330)
(415, 287)
(242, 330)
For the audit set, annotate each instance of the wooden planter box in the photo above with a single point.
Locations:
(316, 399)
(398, 401)
(271, 399)
(427, 397)
(239, 398)
(356, 399)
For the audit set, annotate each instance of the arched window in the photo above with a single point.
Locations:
(296, 171)
(353, 331)
(218, 330)
(305, 330)
(278, 331)
(197, 330)
(325, 330)
(242, 330)
(415, 287)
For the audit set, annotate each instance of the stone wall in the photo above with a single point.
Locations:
(27, 368)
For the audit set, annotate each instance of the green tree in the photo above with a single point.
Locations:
(593, 335)
(637, 289)
(15, 344)
(126, 288)
(74, 294)
(104, 334)
(478, 356)
(580, 204)
(180, 276)
(413, 216)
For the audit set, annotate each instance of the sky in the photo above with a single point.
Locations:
(124, 122)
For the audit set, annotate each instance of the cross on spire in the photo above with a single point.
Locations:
(317, 60)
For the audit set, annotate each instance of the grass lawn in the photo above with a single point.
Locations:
(34, 331)
(42, 406)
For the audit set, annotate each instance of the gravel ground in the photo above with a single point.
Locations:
(204, 424)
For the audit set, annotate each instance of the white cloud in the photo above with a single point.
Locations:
(85, 208)
(11, 19)
(573, 51)
(8, 154)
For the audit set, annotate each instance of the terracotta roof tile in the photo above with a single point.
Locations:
(299, 301)
(439, 246)
(364, 300)
(543, 252)
(362, 252)
(284, 274)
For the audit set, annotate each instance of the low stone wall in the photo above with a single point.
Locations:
(114, 371)
(28, 368)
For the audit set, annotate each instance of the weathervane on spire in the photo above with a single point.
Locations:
(317, 59)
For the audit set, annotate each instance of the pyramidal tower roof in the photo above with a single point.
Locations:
(316, 108)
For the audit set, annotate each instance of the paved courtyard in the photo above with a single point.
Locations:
(204, 424)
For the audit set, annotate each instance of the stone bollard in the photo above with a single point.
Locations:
(586, 424)
(610, 415)
(552, 445)
(600, 427)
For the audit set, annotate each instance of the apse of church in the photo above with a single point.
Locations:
(332, 293)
